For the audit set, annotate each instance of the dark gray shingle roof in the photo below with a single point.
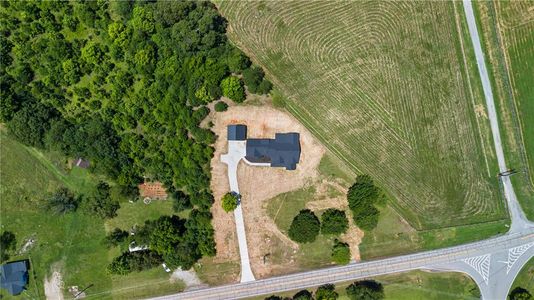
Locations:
(14, 277)
(237, 132)
(282, 151)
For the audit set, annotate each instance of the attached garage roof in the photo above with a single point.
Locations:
(237, 132)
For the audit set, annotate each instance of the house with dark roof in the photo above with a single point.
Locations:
(14, 276)
(282, 151)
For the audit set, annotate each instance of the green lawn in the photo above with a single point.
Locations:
(393, 236)
(70, 243)
(282, 209)
(131, 214)
(391, 90)
(416, 285)
(525, 278)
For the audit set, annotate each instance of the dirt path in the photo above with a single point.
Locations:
(53, 287)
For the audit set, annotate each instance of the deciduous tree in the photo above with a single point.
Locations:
(305, 227)
(365, 290)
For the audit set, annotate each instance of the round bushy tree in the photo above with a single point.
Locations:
(305, 227)
(62, 202)
(303, 295)
(519, 293)
(229, 202)
(326, 292)
(221, 106)
(334, 221)
(265, 87)
(341, 253)
(365, 290)
(232, 87)
(362, 197)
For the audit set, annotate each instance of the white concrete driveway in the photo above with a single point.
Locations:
(236, 152)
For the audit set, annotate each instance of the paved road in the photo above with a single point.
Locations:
(236, 152)
(425, 260)
(492, 263)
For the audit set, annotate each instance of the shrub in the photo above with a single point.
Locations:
(326, 292)
(221, 106)
(61, 202)
(334, 221)
(229, 202)
(232, 87)
(305, 227)
(341, 253)
(365, 290)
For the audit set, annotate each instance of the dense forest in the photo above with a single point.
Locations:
(124, 84)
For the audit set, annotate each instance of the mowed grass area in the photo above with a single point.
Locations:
(387, 88)
(525, 278)
(282, 209)
(71, 244)
(394, 236)
(507, 31)
(415, 285)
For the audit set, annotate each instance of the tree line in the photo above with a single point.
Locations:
(365, 289)
(124, 84)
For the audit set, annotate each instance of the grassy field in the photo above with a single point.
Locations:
(506, 30)
(72, 243)
(525, 278)
(393, 236)
(416, 285)
(391, 89)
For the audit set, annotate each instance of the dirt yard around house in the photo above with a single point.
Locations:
(260, 184)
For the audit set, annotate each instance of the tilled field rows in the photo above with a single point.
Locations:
(382, 84)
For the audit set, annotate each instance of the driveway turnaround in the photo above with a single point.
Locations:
(236, 152)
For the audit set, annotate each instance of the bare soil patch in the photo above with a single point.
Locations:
(54, 287)
(259, 184)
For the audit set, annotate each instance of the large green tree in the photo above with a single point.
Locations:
(232, 87)
(100, 202)
(305, 227)
(365, 290)
(326, 292)
(334, 221)
(362, 197)
(62, 201)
